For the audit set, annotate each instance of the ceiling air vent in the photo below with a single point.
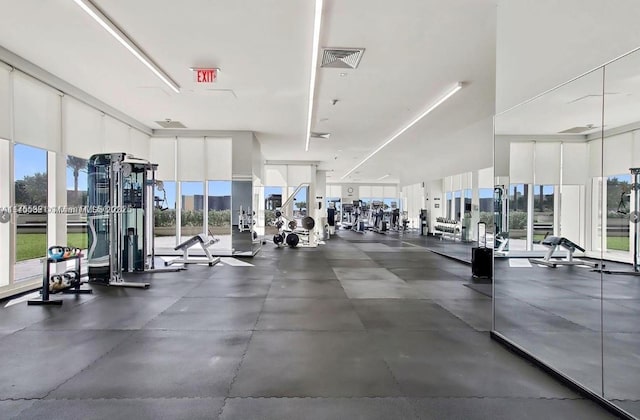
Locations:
(343, 58)
(577, 130)
(317, 135)
(170, 124)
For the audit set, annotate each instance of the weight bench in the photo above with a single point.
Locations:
(205, 242)
(552, 243)
(502, 240)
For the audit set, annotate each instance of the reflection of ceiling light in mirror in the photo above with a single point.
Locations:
(97, 15)
(317, 21)
(383, 177)
(439, 102)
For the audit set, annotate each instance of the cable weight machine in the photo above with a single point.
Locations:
(120, 219)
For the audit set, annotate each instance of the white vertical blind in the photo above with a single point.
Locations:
(521, 163)
(82, 133)
(466, 181)
(617, 154)
(456, 182)
(140, 144)
(116, 137)
(36, 113)
(390, 192)
(485, 178)
(636, 149)
(218, 155)
(447, 184)
(191, 159)
(547, 163)
(365, 191)
(298, 174)
(163, 153)
(595, 158)
(334, 191)
(574, 163)
(276, 175)
(377, 191)
(5, 103)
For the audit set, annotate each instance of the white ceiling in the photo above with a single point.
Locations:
(415, 51)
(579, 103)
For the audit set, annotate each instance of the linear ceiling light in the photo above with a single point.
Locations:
(439, 102)
(115, 32)
(317, 22)
(383, 177)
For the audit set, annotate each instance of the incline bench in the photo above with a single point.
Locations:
(205, 242)
(552, 243)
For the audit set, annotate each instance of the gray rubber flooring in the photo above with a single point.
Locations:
(364, 327)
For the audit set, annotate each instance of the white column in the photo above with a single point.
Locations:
(6, 178)
(320, 196)
(475, 204)
(57, 197)
(530, 208)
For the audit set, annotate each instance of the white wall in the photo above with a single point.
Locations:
(542, 43)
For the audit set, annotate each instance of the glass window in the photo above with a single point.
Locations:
(518, 212)
(543, 211)
(300, 203)
(31, 197)
(219, 212)
(192, 210)
(165, 217)
(487, 215)
(272, 202)
(467, 202)
(618, 208)
(456, 214)
(449, 197)
(76, 199)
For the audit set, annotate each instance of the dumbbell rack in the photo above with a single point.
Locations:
(46, 265)
(448, 228)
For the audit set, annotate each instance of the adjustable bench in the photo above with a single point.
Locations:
(552, 243)
(205, 242)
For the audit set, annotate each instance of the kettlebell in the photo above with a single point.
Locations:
(56, 252)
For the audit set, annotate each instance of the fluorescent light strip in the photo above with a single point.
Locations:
(439, 102)
(115, 32)
(383, 177)
(317, 22)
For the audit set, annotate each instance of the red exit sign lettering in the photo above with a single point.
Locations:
(205, 75)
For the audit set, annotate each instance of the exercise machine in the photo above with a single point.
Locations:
(634, 218)
(347, 220)
(395, 217)
(205, 242)
(500, 220)
(553, 243)
(120, 218)
(379, 225)
(245, 220)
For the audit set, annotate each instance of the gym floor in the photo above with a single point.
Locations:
(365, 327)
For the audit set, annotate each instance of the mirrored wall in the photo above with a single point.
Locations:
(566, 203)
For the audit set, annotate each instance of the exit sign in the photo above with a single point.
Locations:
(205, 75)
